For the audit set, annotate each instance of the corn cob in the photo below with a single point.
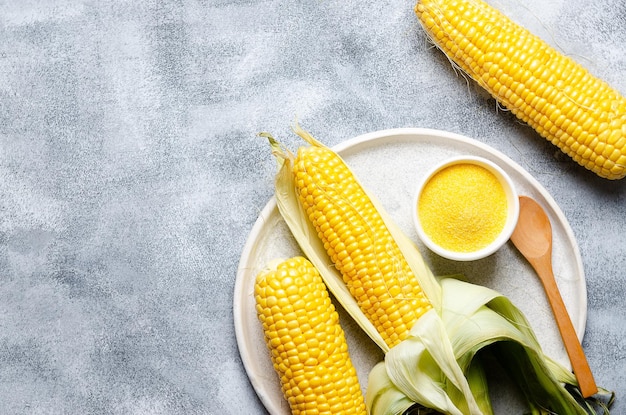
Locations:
(358, 242)
(561, 100)
(307, 345)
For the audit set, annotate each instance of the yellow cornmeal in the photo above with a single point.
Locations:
(463, 207)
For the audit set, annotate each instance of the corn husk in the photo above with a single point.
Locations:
(478, 318)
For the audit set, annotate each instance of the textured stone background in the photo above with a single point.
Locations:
(131, 175)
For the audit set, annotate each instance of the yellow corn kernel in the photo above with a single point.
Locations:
(307, 345)
(359, 243)
(552, 87)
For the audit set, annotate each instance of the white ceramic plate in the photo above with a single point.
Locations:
(389, 163)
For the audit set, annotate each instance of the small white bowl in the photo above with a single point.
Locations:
(511, 219)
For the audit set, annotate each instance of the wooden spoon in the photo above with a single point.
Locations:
(533, 238)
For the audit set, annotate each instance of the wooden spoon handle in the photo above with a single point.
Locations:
(573, 347)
